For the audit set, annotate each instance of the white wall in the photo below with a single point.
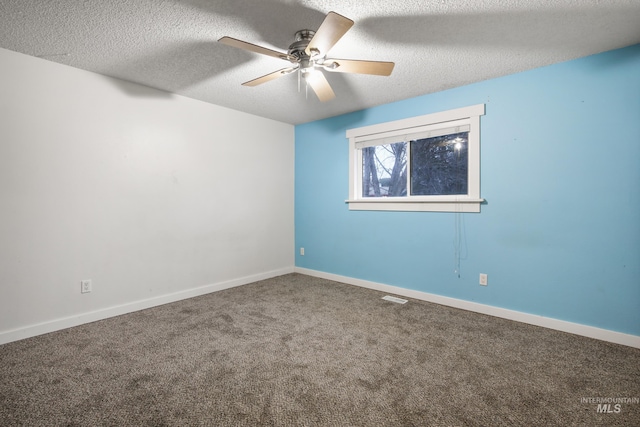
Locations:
(155, 197)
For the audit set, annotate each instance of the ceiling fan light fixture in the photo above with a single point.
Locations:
(306, 65)
(310, 72)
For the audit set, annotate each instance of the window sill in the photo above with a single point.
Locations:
(395, 204)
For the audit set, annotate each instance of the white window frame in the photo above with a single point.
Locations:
(402, 130)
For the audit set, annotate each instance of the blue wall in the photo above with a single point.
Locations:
(560, 233)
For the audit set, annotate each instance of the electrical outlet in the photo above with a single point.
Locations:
(483, 279)
(302, 251)
(85, 286)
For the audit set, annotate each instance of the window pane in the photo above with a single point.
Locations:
(439, 165)
(384, 170)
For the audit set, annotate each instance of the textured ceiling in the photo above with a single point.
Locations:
(436, 44)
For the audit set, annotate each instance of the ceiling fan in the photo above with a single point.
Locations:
(307, 55)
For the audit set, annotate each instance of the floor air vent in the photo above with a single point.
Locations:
(395, 299)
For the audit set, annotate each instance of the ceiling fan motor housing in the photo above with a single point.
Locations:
(297, 48)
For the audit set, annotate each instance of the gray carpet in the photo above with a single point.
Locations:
(302, 351)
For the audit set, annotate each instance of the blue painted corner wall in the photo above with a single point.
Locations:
(560, 170)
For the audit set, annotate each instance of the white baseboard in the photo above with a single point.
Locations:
(532, 319)
(82, 318)
(546, 322)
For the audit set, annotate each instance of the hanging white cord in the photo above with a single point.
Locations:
(459, 241)
(457, 237)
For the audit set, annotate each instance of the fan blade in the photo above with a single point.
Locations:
(377, 68)
(320, 85)
(331, 30)
(230, 41)
(269, 77)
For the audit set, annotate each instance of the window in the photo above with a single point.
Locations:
(425, 163)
